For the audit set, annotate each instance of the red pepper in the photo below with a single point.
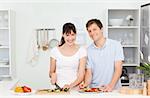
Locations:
(26, 89)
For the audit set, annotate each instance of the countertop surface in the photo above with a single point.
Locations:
(6, 86)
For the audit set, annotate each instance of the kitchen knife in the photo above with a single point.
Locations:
(57, 86)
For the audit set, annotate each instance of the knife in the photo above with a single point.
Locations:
(57, 86)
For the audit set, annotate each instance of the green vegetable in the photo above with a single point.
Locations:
(66, 89)
(146, 69)
(57, 90)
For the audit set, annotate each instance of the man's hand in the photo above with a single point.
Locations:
(107, 88)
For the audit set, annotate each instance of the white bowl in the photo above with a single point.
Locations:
(115, 22)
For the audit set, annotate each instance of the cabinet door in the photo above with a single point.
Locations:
(7, 49)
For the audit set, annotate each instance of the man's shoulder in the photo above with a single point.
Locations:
(115, 42)
(90, 46)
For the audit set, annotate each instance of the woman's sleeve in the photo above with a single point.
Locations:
(83, 52)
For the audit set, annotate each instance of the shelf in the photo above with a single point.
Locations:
(126, 46)
(4, 65)
(130, 64)
(4, 28)
(4, 47)
(5, 76)
(124, 27)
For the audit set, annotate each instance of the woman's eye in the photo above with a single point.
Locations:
(94, 29)
(72, 34)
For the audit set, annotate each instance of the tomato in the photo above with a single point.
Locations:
(26, 89)
(95, 89)
(92, 90)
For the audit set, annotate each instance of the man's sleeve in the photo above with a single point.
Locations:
(89, 61)
(119, 55)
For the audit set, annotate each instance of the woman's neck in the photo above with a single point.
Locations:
(69, 46)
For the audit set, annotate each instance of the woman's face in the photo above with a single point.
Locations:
(69, 38)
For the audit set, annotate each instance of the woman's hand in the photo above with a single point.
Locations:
(53, 78)
(66, 86)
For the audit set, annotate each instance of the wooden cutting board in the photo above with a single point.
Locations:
(127, 90)
(48, 92)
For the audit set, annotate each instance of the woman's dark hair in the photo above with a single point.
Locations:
(96, 21)
(67, 28)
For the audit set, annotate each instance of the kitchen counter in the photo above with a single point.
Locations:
(5, 92)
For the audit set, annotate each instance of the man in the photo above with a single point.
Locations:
(105, 56)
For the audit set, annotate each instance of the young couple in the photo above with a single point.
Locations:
(100, 65)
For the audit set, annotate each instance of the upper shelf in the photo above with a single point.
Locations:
(4, 47)
(124, 27)
(4, 28)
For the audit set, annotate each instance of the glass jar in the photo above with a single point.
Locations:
(136, 80)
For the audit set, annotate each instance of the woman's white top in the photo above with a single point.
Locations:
(67, 66)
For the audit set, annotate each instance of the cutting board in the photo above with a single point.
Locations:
(127, 90)
(48, 92)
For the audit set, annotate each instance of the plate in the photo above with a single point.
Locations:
(53, 43)
(90, 90)
(23, 94)
(49, 92)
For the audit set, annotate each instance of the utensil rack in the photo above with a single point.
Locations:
(43, 37)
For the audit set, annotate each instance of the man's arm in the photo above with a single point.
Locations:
(116, 76)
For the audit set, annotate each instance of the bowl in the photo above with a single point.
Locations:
(115, 22)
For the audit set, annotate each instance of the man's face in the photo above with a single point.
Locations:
(95, 32)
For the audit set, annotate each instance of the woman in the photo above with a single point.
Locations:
(67, 62)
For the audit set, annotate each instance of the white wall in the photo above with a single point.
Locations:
(30, 16)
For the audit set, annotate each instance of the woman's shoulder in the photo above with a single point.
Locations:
(82, 49)
(55, 49)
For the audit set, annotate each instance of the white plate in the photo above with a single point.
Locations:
(53, 43)
(23, 94)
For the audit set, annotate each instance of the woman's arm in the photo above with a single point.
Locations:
(81, 72)
(52, 72)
